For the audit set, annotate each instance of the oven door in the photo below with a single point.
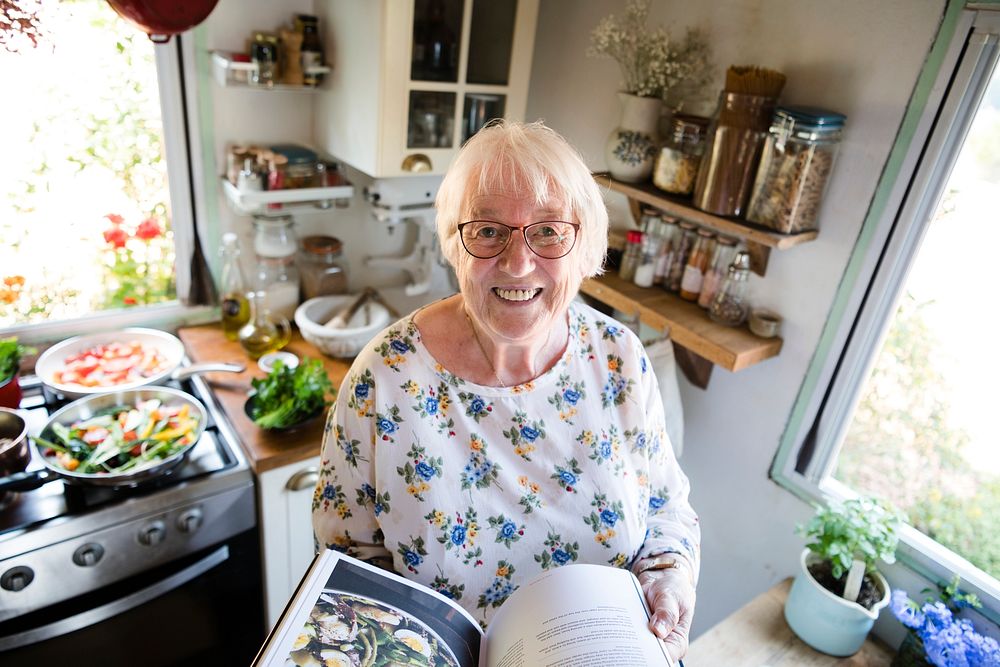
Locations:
(206, 609)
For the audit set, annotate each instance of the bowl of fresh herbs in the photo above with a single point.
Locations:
(288, 398)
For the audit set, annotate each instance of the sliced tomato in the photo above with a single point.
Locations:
(95, 435)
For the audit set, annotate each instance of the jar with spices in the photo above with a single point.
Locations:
(312, 48)
(322, 267)
(274, 236)
(730, 307)
(725, 249)
(668, 235)
(264, 54)
(278, 278)
(645, 269)
(677, 162)
(697, 264)
(630, 258)
(685, 241)
(794, 168)
(301, 167)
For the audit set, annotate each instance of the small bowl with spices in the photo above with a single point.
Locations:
(764, 323)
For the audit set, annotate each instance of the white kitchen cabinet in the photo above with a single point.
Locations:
(413, 79)
(285, 498)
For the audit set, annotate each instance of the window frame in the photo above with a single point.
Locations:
(941, 110)
(177, 84)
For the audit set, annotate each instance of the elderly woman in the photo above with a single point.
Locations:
(509, 429)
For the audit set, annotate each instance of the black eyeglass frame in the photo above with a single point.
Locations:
(523, 230)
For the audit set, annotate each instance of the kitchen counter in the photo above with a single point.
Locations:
(757, 635)
(265, 450)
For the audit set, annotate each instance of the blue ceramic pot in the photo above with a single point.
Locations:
(826, 621)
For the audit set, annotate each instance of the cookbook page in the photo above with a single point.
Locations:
(347, 612)
(575, 616)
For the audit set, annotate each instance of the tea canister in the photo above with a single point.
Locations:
(677, 163)
(794, 168)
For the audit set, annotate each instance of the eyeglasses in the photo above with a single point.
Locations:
(550, 239)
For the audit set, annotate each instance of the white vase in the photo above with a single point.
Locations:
(825, 621)
(631, 147)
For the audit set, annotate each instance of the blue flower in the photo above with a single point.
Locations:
(609, 517)
(399, 346)
(477, 405)
(528, 433)
(640, 441)
(361, 390)
(431, 405)
(328, 492)
(508, 530)
(425, 471)
(560, 557)
(567, 477)
(604, 449)
(369, 490)
(642, 364)
(907, 612)
(378, 507)
(412, 558)
(612, 331)
(655, 502)
(458, 535)
(571, 396)
(445, 592)
(386, 425)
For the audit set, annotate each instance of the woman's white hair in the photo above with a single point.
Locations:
(507, 155)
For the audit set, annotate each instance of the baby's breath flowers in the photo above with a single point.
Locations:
(651, 63)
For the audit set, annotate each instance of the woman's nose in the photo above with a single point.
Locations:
(517, 259)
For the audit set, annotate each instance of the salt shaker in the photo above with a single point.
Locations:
(730, 307)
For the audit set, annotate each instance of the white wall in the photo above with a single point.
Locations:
(856, 57)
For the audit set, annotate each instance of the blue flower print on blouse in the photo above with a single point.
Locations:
(419, 471)
(567, 395)
(480, 471)
(617, 387)
(400, 344)
(558, 552)
(432, 405)
(603, 518)
(500, 588)
(567, 475)
(360, 400)
(459, 533)
(524, 433)
(412, 553)
(657, 499)
(444, 586)
(475, 406)
(386, 424)
(507, 530)
(331, 495)
(379, 501)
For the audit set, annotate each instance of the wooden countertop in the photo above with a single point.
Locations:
(757, 635)
(265, 450)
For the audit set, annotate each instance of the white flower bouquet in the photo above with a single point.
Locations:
(651, 63)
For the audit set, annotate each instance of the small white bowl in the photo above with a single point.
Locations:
(266, 362)
(347, 342)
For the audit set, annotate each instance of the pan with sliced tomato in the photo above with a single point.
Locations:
(121, 438)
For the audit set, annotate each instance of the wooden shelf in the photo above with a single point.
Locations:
(759, 240)
(688, 325)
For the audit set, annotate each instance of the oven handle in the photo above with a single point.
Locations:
(106, 611)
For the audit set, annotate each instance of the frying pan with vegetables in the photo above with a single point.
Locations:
(118, 439)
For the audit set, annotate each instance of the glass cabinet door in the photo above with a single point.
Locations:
(431, 122)
(491, 39)
(479, 109)
(437, 33)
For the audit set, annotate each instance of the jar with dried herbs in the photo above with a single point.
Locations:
(794, 168)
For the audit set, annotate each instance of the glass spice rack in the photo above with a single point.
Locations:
(759, 240)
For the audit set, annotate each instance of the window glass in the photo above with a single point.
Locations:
(84, 206)
(925, 434)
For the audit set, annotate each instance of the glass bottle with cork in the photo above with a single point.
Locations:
(322, 267)
(234, 304)
(697, 264)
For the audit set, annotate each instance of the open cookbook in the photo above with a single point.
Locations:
(347, 613)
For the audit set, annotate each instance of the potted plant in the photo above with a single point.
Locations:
(935, 633)
(838, 593)
(652, 66)
(10, 364)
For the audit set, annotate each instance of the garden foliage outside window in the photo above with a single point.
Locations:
(85, 216)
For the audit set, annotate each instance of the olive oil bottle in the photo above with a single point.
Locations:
(265, 332)
(235, 305)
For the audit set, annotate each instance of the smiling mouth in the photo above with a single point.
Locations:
(517, 294)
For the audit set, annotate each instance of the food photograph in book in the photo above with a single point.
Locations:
(365, 619)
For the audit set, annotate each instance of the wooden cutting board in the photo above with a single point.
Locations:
(265, 450)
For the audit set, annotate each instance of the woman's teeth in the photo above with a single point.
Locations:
(516, 294)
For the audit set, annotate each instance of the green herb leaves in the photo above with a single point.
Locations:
(859, 528)
(287, 396)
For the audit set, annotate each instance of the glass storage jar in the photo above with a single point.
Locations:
(322, 268)
(730, 306)
(725, 248)
(697, 264)
(794, 168)
(677, 162)
(685, 241)
(278, 278)
(274, 236)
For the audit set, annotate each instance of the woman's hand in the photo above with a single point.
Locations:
(671, 597)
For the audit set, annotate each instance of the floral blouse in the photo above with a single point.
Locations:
(474, 490)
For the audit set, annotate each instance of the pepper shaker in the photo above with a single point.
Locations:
(730, 307)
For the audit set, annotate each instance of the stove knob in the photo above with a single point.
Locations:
(152, 533)
(190, 520)
(88, 554)
(17, 578)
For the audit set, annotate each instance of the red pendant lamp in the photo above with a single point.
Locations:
(161, 19)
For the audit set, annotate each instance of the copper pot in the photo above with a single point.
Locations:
(161, 19)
